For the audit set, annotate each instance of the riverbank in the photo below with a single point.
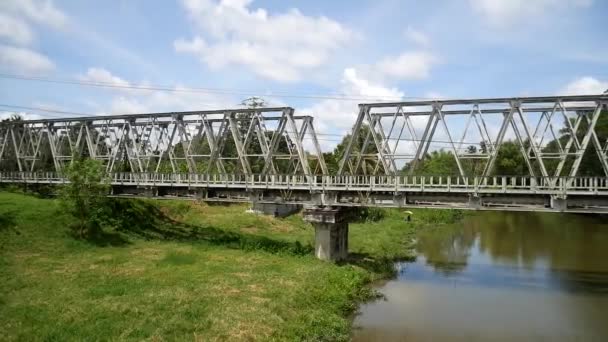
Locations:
(184, 270)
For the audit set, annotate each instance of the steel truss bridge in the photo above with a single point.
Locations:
(271, 155)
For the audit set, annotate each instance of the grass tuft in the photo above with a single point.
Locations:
(177, 258)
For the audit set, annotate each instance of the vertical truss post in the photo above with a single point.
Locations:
(586, 139)
(360, 158)
(437, 109)
(133, 146)
(599, 150)
(507, 117)
(51, 134)
(215, 155)
(213, 146)
(535, 149)
(116, 147)
(426, 139)
(274, 143)
(238, 142)
(573, 140)
(317, 146)
(5, 137)
(184, 136)
(384, 152)
(16, 148)
(170, 147)
(303, 158)
(363, 114)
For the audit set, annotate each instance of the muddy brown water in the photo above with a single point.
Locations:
(498, 277)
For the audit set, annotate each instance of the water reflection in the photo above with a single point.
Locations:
(499, 276)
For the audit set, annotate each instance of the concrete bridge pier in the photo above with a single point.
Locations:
(331, 232)
(559, 203)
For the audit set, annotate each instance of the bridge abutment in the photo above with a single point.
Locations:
(331, 232)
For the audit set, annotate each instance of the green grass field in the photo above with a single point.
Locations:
(175, 270)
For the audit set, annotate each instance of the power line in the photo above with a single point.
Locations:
(223, 91)
(50, 110)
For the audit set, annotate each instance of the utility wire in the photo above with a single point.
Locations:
(224, 91)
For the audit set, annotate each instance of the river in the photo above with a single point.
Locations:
(498, 277)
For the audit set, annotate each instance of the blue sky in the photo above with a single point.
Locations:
(368, 50)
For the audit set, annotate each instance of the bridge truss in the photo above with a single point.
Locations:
(270, 155)
(551, 133)
(240, 141)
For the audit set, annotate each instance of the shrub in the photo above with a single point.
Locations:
(84, 196)
(369, 214)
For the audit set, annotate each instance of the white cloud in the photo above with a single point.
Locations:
(15, 30)
(502, 13)
(408, 65)
(417, 37)
(585, 86)
(124, 105)
(131, 101)
(42, 11)
(338, 116)
(101, 75)
(276, 46)
(15, 18)
(23, 60)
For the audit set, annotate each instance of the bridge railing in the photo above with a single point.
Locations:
(491, 184)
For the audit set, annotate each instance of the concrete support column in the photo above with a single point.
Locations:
(150, 191)
(559, 204)
(331, 232)
(475, 202)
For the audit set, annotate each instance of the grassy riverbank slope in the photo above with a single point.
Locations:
(184, 271)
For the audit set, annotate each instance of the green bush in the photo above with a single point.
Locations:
(84, 196)
(369, 214)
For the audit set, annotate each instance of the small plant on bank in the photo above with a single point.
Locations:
(84, 196)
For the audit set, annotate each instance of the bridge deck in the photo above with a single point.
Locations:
(579, 194)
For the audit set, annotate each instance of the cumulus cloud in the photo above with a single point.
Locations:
(417, 37)
(23, 60)
(280, 46)
(414, 65)
(42, 12)
(131, 101)
(15, 30)
(101, 75)
(15, 19)
(338, 115)
(501, 13)
(585, 86)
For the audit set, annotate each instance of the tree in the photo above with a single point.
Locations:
(510, 161)
(437, 163)
(333, 159)
(8, 162)
(84, 196)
